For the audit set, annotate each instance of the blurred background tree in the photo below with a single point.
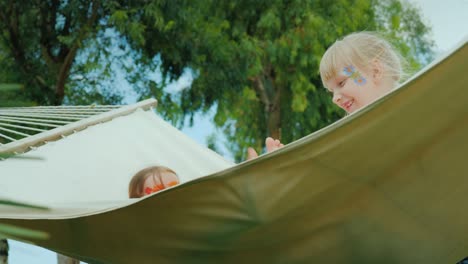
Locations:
(51, 48)
(254, 62)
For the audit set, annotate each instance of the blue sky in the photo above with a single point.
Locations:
(449, 25)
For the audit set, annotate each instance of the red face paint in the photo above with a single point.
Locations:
(155, 188)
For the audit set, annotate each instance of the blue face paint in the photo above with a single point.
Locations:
(351, 72)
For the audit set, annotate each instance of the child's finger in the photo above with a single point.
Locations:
(270, 144)
(251, 153)
(278, 144)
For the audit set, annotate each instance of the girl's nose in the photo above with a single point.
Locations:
(336, 97)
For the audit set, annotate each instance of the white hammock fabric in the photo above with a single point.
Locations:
(96, 164)
(387, 184)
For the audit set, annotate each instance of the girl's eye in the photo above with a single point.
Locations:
(342, 83)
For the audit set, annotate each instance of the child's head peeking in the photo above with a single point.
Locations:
(150, 180)
(359, 69)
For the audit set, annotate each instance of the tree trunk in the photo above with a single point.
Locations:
(270, 96)
(63, 75)
(274, 117)
(61, 259)
(3, 251)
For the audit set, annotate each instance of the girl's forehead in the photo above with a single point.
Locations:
(340, 70)
(334, 65)
(151, 177)
(334, 61)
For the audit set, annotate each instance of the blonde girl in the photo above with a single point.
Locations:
(359, 69)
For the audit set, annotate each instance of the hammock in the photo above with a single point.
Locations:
(387, 184)
(96, 163)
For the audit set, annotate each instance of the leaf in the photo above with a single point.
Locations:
(20, 233)
(20, 204)
(8, 87)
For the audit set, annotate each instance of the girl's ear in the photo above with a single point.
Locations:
(377, 70)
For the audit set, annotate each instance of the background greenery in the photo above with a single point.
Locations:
(254, 62)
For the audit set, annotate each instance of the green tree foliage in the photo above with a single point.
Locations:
(11, 93)
(257, 62)
(403, 24)
(44, 43)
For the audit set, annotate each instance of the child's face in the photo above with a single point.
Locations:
(353, 88)
(154, 183)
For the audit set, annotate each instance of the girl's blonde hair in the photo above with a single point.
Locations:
(135, 187)
(360, 49)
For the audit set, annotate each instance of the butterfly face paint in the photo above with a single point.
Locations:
(352, 73)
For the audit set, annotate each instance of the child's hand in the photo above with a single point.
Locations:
(271, 145)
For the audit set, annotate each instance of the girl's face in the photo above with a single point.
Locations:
(155, 183)
(354, 88)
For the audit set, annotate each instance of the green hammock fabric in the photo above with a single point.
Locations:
(388, 184)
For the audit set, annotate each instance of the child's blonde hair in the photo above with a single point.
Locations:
(135, 188)
(360, 49)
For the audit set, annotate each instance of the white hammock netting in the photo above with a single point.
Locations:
(387, 184)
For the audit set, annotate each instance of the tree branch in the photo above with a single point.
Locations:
(47, 33)
(261, 91)
(12, 21)
(65, 32)
(68, 61)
